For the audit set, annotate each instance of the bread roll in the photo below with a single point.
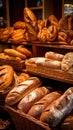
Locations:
(59, 109)
(17, 93)
(6, 76)
(39, 106)
(54, 55)
(25, 104)
(67, 61)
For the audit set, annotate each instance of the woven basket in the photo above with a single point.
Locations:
(25, 121)
(56, 74)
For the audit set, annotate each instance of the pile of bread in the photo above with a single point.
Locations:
(14, 55)
(53, 60)
(27, 94)
(46, 30)
(41, 102)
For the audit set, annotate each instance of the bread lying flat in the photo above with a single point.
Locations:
(23, 88)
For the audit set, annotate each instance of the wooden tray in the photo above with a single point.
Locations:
(56, 74)
(25, 121)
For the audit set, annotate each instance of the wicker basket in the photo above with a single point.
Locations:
(56, 74)
(25, 121)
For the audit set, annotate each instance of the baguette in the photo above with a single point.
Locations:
(59, 109)
(14, 53)
(23, 88)
(23, 50)
(39, 106)
(25, 104)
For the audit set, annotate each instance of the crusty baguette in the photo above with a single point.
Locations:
(23, 50)
(59, 109)
(39, 106)
(17, 93)
(14, 53)
(25, 104)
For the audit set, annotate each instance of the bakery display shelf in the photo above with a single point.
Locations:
(24, 121)
(55, 44)
(55, 74)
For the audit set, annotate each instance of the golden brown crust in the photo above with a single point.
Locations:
(6, 33)
(62, 36)
(32, 34)
(53, 20)
(6, 76)
(19, 25)
(23, 88)
(39, 106)
(22, 77)
(18, 35)
(53, 32)
(23, 50)
(29, 17)
(14, 53)
(26, 103)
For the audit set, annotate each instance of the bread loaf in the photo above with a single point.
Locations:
(22, 89)
(59, 109)
(54, 55)
(6, 76)
(25, 104)
(67, 61)
(39, 106)
(48, 63)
